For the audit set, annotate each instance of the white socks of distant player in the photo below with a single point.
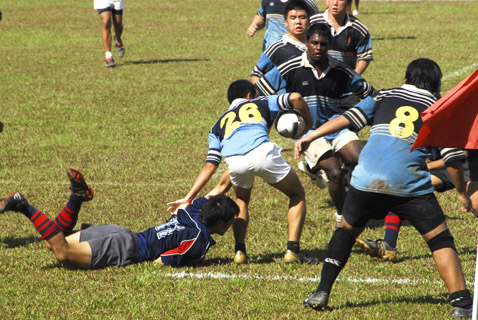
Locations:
(108, 55)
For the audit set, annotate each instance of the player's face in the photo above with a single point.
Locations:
(337, 6)
(297, 22)
(225, 226)
(317, 47)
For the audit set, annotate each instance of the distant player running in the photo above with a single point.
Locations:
(183, 240)
(111, 11)
(390, 177)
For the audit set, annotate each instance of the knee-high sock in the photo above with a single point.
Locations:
(68, 217)
(47, 227)
(392, 228)
(338, 252)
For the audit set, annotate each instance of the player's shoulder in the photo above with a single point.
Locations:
(358, 25)
(294, 63)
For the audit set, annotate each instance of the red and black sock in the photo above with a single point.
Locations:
(392, 228)
(68, 217)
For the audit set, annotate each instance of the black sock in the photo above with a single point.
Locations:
(337, 254)
(293, 246)
(461, 299)
(240, 247)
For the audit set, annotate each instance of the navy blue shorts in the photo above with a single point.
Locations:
(112, 10)
(423, 212)
(111, 245)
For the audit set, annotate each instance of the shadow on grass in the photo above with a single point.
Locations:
(155, 61)
(395, 38)
(20, 242)
(428, 299)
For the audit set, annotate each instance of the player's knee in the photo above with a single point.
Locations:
(106, 24)
(334, 174)
(441, 241)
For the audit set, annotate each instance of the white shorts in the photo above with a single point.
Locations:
(320, 146)
(115, 4)
(264, 161)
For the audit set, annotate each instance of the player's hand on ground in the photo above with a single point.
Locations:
(175, 205)
(299, 147)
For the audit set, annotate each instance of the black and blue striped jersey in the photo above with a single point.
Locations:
(386, 164)
(277, 53)
(351, 43)
(322, 93)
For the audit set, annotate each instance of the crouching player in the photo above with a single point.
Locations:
(183, 240)
(390, 177)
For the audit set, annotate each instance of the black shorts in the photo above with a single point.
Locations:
(112, 10)
(446, 179)
(473, 164)
(111, 245)
(423, 212)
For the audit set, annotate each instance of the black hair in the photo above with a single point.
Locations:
(296, 5)
(321, 29)
(218, 208)
(424, 74)
(240, 89)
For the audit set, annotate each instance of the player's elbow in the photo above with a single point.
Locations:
(295, 97)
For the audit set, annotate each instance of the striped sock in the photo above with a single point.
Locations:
(392, 228)
(68, 217)
(47, 227)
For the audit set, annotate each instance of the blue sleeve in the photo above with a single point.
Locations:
(279, 102)
(271, 83)
(261, 11)
(359, 86)
(264, 65)
(214, 153)
(362, 114)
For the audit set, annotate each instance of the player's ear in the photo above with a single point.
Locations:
(404, 80)
(249, 96)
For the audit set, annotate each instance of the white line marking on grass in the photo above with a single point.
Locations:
(220, 275)
(465, 70)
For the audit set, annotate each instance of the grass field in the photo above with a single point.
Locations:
(139, 134)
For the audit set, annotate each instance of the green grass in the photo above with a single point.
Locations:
(139, 134)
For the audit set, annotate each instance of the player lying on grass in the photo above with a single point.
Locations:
(183, 240)
(241, 135)
(390, 177)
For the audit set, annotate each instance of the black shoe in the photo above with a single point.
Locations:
(318, 300)
(14, 202)
(461, 313)
(78, 185)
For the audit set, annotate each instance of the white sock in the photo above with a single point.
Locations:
(108, 55)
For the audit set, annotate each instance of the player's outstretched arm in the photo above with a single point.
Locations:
(331, 126)
(206, 173)
(257, 24)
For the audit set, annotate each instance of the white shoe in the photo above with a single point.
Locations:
(355, 12)
(317, 177)
(338, 217)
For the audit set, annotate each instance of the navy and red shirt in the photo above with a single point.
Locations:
(182, 240)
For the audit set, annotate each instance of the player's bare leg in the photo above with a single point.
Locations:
(241, 221)
(331, 165)
(447, 262)
(105, 18)
(223, 185)
(292, 188)
(118, 26)
(72, 254)
(350, 153)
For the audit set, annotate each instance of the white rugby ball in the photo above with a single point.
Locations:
(290, 124)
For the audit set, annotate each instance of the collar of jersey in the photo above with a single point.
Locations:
(287, 39)
(348, 23)
(413, 88)
(235, 102)
(306, 64)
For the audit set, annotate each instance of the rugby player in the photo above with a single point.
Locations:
(183, 240)
(390, 177)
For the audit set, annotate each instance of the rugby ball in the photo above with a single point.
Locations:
(290, 124)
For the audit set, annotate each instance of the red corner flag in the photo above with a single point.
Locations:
(452, 121)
